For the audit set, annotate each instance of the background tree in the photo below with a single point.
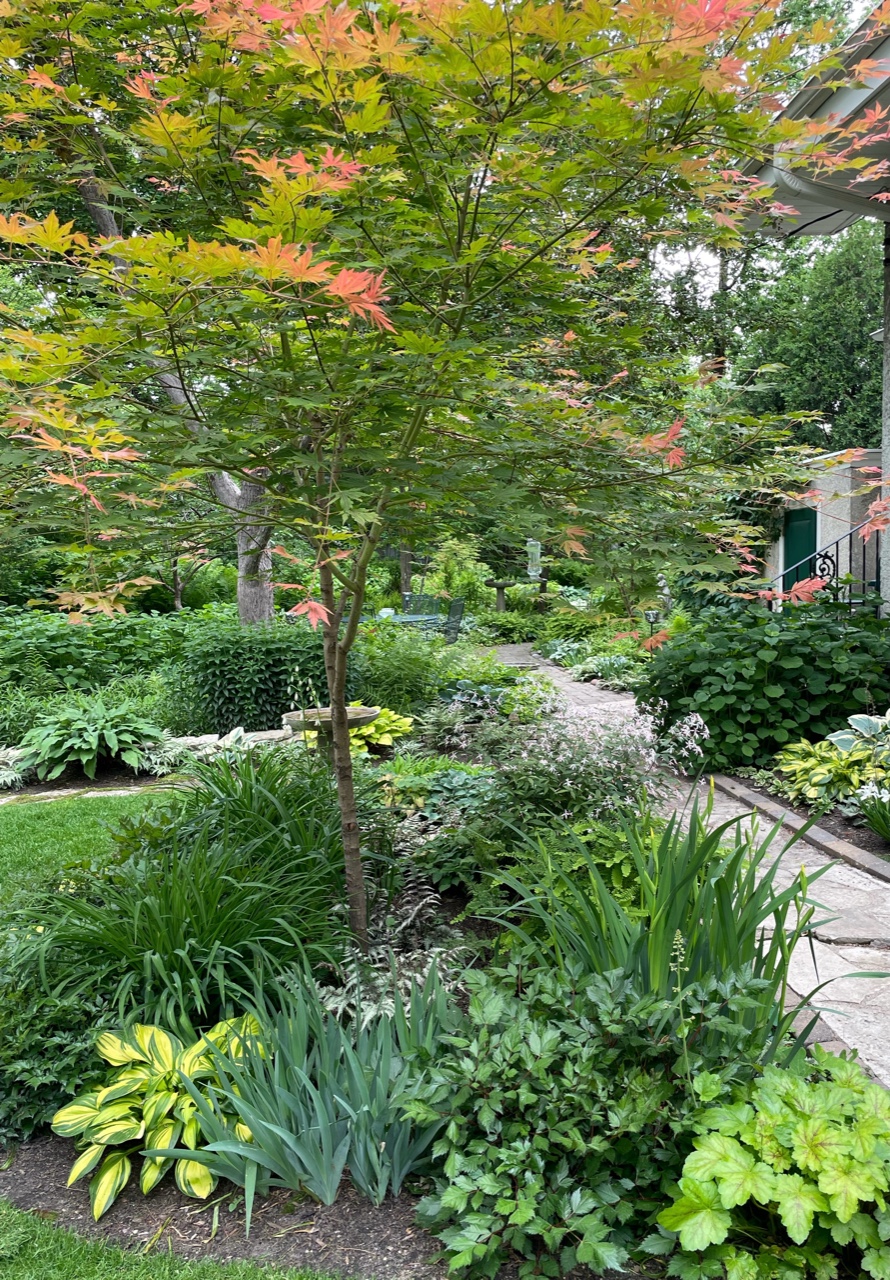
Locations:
(812, 328)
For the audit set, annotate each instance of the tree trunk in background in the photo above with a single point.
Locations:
(252, 535)
(244, 500)
(177, 587)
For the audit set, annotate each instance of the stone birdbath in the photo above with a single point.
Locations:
(500, 586)
(318, 720)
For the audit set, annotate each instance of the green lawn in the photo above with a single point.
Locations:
(39, 837)
(34, 1250)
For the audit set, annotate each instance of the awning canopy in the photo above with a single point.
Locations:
(827, 204)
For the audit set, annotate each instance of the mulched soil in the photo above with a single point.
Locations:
(350, 1237)
(833, 822)
(108, 778)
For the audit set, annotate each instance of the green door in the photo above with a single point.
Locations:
(799, 542)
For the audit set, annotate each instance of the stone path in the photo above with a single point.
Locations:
(852, 933)
(68, 793)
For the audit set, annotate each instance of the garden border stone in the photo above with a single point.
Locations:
(817, 836)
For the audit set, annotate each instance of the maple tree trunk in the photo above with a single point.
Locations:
(177, 588)
(335, 659)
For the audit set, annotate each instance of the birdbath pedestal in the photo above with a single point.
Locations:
(318, 720)
(501, 590)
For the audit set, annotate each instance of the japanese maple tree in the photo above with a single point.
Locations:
(350, 264)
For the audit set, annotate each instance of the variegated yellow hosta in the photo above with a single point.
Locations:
(145, 1106)
(381, 732)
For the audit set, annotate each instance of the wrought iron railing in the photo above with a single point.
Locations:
(850, 566)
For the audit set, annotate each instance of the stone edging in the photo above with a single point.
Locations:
(819, 838)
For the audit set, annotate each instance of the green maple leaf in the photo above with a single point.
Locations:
(698, 1216)
(798, 1201)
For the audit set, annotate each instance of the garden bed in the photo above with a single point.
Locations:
(350, 1237)
(832, 821)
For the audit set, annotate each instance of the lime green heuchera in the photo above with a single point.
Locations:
(790, 1180)
(145, 1105)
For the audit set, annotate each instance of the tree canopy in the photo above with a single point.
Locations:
(811, 330)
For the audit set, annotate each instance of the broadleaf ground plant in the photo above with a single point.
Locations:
(86, 732)
(790, 1177)
(761, 680)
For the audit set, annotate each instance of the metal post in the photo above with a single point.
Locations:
(885, 414)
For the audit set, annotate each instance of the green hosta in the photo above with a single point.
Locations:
(788, 1180)
(144, 1105)
(84, 732)
(820, 773)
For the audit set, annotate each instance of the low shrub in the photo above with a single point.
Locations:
(87, 732)
(568, 767)
(616, 670)
(411, 782)
(566, 1111)
(508, 626)
(406, 670)
(258, 795)
(47, 1054)
(21, 708)
(790, 1179)
(397, 667)
(456, 572)
(760, 680)
(44, 652)
(568, 623)
(560, 854)
(249, 676)
(706, 912)
(537, 777)
(218, 894)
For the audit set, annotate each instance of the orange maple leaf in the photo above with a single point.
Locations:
(363, 294)
(57, 478)
(313, 610)
(42, 81)
(275, 259)
(655, 641)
